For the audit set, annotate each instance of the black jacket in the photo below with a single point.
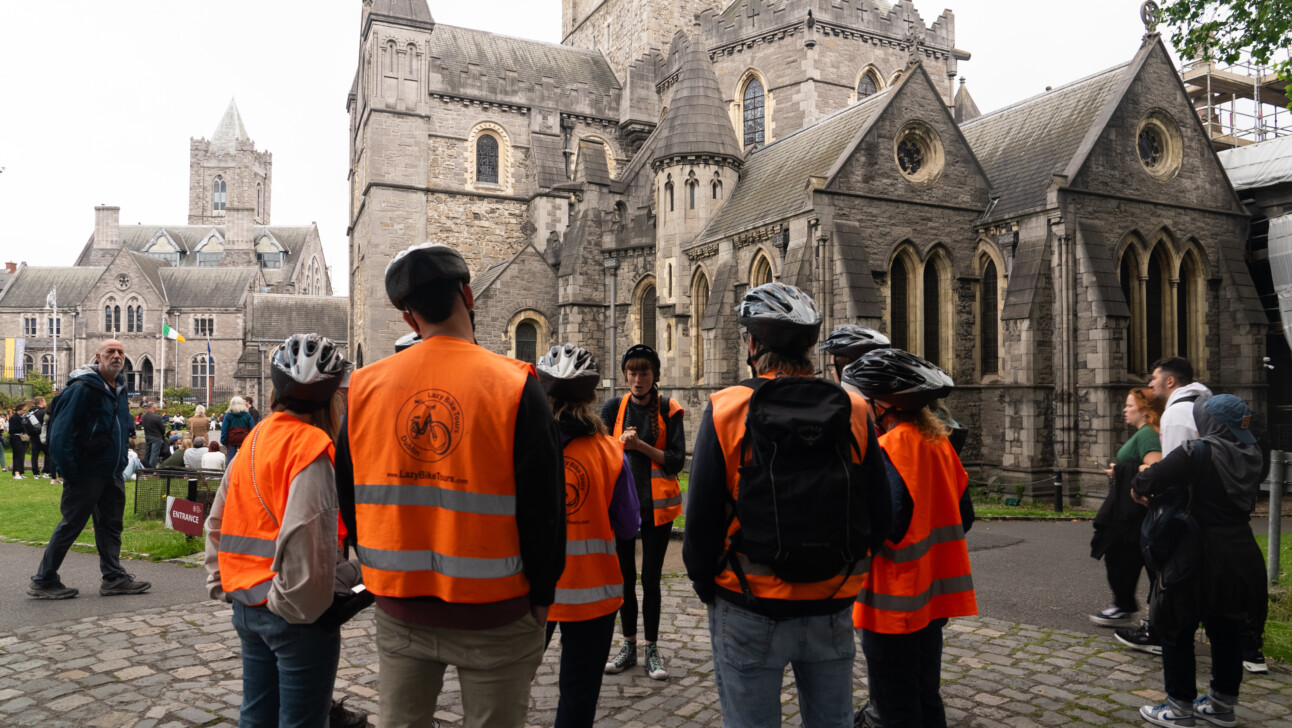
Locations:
(154, 426)
(89, 434)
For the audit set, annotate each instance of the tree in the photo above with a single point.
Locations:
(177, 394)
(41, 386)
(1223, 30)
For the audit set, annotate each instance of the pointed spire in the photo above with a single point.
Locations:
(697, 122)
(230, 131)
(965, 108)
(414, 13)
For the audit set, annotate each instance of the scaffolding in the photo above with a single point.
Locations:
(1239, 104)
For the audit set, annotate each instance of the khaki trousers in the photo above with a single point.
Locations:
(495, 669)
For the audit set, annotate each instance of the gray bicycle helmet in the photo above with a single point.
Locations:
(781, 318)
(852, 341)
(897, 378)
(306, 371)
(407, 340)
(569, 373)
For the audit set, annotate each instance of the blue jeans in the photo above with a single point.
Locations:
(288, 670)
(151, 453)
(85, 498)
(230, 451)
(750, 653)
(905, 674)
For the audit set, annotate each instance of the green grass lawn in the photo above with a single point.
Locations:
(989, 505)
(29, 511)
(1278, 626)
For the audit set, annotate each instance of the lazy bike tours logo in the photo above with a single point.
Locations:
(429, 425)
(576, 486)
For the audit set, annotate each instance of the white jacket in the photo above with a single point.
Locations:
(1178, 426)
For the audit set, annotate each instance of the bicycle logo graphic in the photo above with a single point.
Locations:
(429, 425)
(576, 486)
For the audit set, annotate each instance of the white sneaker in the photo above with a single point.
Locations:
(18, 476)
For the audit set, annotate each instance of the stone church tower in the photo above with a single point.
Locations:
(227, 172)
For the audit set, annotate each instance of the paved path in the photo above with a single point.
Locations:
(176, 664)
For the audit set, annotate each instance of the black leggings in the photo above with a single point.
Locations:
(19, 455)
(654, 546)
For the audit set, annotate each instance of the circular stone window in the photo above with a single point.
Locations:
(1157, 143)
(917, 150)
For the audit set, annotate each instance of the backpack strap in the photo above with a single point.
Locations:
(728, 557)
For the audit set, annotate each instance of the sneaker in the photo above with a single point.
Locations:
(1141, 638)
(1169, 713)
(57, 591)
(1254, 662)
(339, 716)
(626, 658)
(123, 585)
(865, 717)
(1111, 617)
(654, 665)
(18, 476)
(1214, 712)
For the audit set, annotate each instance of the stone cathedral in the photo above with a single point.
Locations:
(629, 184)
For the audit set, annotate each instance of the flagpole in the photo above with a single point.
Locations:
(210, 368)
(161, 387)
(177, 378)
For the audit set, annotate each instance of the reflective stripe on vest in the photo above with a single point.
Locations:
(729, 409)
(432, 432)
(926, 576)
(666, 494)
(592, 584)
(284, 446)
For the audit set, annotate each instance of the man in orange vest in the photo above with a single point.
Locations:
(763, 616)
(451, 479)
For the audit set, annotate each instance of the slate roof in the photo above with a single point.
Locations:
(230, 131)
(206, 287)
(277, 316)
(964, 108)
(721, 295)
(482, 282)
(549, 159)
(29, 286)
(409, 12)
(1022, 146)
(149, 266)
(1031, 260)
(697, 122)
(773, 183)
(138, 237)
(530, 60)
(592, 163)
(862, 298)
(1106, 296)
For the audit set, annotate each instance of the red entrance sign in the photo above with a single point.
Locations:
(184, 516)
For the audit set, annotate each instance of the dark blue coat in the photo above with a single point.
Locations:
(89, 434)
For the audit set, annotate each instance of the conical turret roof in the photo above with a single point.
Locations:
(697, 122)
(230, 131)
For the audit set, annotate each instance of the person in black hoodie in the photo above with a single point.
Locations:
(88, 443)
(17, 431)
(1215, 575)
(154, 436)
(36, 447)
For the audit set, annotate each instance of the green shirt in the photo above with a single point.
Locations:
(1143, 442)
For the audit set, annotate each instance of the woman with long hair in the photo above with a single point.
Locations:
(1117, 525)
(199, 425)
(600, 507)
(271, 541)
(921, 577)
(650, 427)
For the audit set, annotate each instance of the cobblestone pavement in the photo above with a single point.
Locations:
(180, 666)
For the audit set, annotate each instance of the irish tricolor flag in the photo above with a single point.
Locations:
(170, 333)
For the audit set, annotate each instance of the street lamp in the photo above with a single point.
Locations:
(51, 305)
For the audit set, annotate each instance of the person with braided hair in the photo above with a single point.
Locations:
(650, 427)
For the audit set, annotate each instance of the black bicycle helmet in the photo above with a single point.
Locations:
(852, 341)
(569, 373)
(640, 351)
(407, 340)
(306, 370)
(782, 318)
(897, 378)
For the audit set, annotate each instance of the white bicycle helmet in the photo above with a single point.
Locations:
(569, 373)
(306, 371)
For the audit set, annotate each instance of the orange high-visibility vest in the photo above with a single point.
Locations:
(729, 409)
(281, 446)
(591, 585)
(432, 431)
(665, 493)
(926, 575)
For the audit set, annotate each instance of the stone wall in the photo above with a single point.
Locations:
(623, 30)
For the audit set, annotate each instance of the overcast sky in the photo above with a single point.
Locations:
(99, 105)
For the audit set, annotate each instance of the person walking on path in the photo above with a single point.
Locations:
(1215, 575)
(154, 435)
(600, 507)
(921, 576)
(88, 443)
(1117, 525)
(767, 606)
(35, 423)
(19, 440)
(234, 427)
(460, 518)
(1172, 384)
(271, 542)
(655, 444)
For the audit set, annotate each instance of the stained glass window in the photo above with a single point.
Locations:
(932, 314)
(990, 320)
(1150, 147)
(866, 87)
(487, 159)
(753, 113)
(910, 157)
(897, 305)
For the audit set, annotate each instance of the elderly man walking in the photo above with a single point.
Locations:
(88, 443)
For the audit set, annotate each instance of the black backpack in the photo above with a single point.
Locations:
(801, 498)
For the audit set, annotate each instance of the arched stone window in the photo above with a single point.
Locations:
(1157, 302)
(202, 368)
(146, 376)
(1128, 273)
(868, 84)
(716, 186)
(132, 377)
(668, 193)
(527, 341)
(699, 301)
(358, 357)
(932, 313)
(28, 365)
(47, 366)
(753, 112)
(260, 201)
(1191, 302)
(107, 316)
(761, 271)
(116, 318)
(527, 334)
(487, 159)
(647, 311)
(989, 319)
(691, 185)
(219, 194)
(130, 319)
(899, 303)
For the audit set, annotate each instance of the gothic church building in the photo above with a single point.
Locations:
(629, 184)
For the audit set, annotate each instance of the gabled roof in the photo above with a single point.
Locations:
(462, 49)
(137, 238)
(206, 287)
(404, 12)
(278, 316)
(149, 267)
(31, 284)
(1022, 146)
(697, 122)
(482, 282)
(230, 131)
(773, 182)
(591, 166)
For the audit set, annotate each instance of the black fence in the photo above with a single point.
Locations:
(152, 487)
